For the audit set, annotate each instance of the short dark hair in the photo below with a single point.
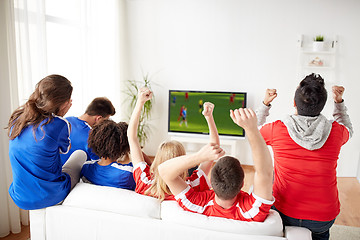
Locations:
(311, 95)
(100, 106)
(227, 177)
(109, 139)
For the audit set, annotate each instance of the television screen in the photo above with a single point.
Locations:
(185, 111)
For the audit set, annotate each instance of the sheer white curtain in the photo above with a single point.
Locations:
(11, 217)
(80, 39)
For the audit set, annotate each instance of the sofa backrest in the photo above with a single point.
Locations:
(113, 200)
(126, 202)
(172, 212)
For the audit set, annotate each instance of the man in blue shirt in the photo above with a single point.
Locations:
(99, 109)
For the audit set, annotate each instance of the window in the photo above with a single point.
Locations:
(74, 38)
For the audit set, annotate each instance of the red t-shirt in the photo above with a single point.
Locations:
(143, 180)
(246, 207)
(305, 184)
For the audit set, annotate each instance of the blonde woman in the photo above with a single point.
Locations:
(148, 181)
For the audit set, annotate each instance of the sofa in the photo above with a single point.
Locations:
(102, 213)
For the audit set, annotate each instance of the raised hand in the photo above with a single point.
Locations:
(244, 117)
(338, 92)
(208, 109)
(210, 152)
(144, 94)
(270, 95)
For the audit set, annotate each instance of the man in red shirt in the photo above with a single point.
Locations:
(306, 148)
(227, 177)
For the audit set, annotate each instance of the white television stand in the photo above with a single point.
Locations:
(194, 139)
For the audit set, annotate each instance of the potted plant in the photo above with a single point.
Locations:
(318, 44)
(132, 87)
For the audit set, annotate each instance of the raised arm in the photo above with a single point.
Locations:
(263, 111)
(340, 109)
(246, 118)
(135, 150)
(171, 170)
(213, 133)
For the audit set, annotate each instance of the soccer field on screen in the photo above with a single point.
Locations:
(195, 121)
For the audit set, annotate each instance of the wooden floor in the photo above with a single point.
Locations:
(349, 193)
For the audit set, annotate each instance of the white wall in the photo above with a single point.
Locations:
(238, 45)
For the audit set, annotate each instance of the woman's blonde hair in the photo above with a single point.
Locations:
(166, 151)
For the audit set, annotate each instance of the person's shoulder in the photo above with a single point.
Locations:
(242, 195)
(91, 163)
(276, 123)
(72, 119)
(123, 164)
(77, 122)
(58, 123)
(60, 119)
(124, 167)
(338, 127)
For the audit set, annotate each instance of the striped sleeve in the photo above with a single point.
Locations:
(199, 181)
(142, 177)
(64, 137)
(193, 201)
(253, 207)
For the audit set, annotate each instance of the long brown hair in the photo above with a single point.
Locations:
(49, 95)
(166, 151)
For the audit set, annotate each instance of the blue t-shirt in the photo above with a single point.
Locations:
(113, 175)
(79, 135)
(38, 181)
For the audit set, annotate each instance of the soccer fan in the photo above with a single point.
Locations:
(99, 109)
(306, 148)
(227, 178)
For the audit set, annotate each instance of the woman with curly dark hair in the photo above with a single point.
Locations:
(109, 141)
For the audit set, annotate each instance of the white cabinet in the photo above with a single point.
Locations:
(194, 143)
(320, 62)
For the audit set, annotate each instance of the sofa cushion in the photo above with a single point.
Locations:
(115, 200)
(172, 212)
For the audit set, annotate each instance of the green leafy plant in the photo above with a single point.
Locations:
(132, 88)
(319, 38)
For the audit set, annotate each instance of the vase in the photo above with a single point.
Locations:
(318, 46)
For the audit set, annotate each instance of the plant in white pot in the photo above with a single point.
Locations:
(131, 91)
(318, 44)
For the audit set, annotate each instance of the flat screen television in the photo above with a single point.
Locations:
(185, 111)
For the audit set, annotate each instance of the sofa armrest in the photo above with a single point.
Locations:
(38, 224)
(297, 233)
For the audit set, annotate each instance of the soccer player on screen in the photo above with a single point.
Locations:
(181, 112)
(232, 98)
(184, 115)
(186, 96)
(201, 105)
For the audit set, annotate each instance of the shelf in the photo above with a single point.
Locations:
(328, 56)
(232, 143)
(318, 52)
(315, 67)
